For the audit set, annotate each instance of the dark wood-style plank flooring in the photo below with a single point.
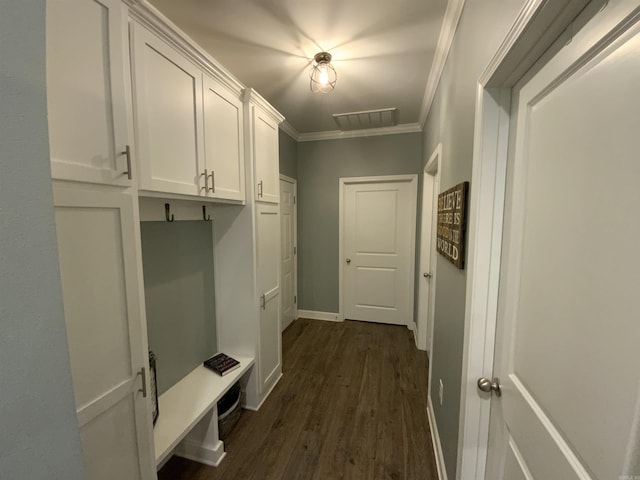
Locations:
(351, 405)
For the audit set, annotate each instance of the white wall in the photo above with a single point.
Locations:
(38, 428)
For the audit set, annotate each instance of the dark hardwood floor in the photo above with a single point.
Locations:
(352, 404)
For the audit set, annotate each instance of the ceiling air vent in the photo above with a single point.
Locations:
(385, 117)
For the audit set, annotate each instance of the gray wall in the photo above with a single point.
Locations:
(288, 155)
(39, 436)
(179, 296)
(320, 165)
(483, 25)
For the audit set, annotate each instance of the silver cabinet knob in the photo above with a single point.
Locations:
(348, 260)
(488, 386)
(426, 275)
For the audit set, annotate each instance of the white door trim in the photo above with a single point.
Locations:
(343, 181)
(534, 30)
(424, 335)
(295, 239)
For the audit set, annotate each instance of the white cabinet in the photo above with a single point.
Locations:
(87, 91)
(263, 130)
(190, 125)
(101, 285)
(268, 273)
(223, 142)
(168, 100)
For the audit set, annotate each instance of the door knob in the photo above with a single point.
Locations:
(348, 260)
(426, 275)
(488, 386)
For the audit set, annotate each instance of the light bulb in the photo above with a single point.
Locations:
(324, 76)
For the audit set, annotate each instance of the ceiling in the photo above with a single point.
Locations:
(382, 51)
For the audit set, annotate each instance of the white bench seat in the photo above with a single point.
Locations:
(185, 404)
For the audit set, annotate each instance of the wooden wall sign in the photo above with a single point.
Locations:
(452, 223)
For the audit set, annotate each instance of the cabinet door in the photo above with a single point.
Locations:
(265, 154)
(268, 233)
(99, 268)
(168, 99)
(223, 142)
(86, 90)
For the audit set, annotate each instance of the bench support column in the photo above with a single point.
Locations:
(202, 444)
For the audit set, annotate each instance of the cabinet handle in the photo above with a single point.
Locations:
(263, 302)
(213, 181)
(206, 180)
(260, 189)
(143, 374)
(127, 152)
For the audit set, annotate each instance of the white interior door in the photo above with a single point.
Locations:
(568, 317)
(428, 257)
(288, 251)
(99, 273)
(378, 219)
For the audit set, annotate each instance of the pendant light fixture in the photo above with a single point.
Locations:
(323, 75)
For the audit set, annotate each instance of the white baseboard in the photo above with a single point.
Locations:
(327, 316)
(414, 328)
(199, 453)
(435, 439)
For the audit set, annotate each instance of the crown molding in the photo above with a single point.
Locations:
(447, 32)
(254, 98)
(368, 132)
(150, 17)
(290, 130)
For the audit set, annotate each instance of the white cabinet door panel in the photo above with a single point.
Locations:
(268, 237)
(266, 157)
(269, 342)
(224, 142)
(103, 314)
(168, 98)
(86, 90)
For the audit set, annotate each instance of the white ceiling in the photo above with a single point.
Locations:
(382, 51)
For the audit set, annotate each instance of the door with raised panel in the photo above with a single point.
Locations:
(378, 234)
(288, 251)
(223, 142)
(103, 314)
(86, 91)
(567, 351)
(265, 154)
(168, 99)
(268, 246)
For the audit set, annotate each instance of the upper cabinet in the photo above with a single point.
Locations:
(168, 99)
(190, 124)
(263, 141)
(223, 142)
(87, 91)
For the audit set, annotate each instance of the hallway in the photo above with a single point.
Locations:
(352, 403)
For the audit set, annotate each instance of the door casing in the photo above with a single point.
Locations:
(428, 256)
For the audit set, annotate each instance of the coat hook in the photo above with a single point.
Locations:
(167, 211)
(207, 218)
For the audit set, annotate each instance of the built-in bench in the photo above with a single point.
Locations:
(188, 421)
